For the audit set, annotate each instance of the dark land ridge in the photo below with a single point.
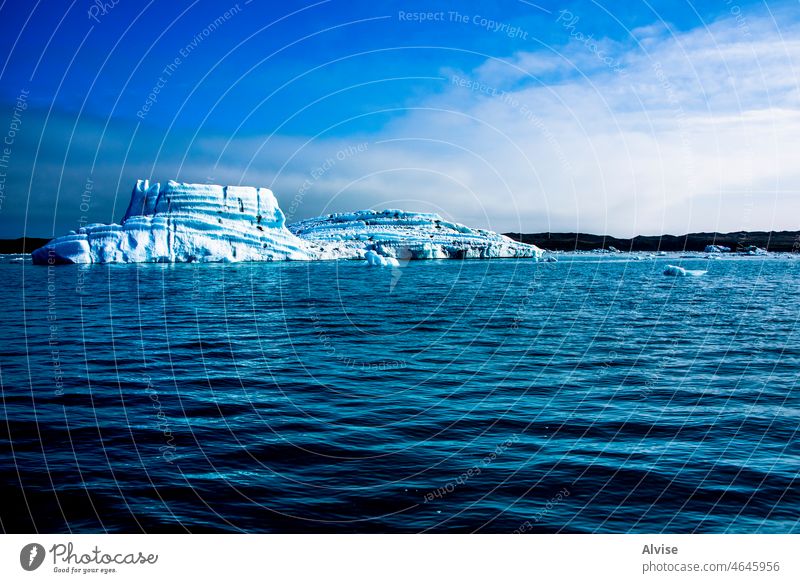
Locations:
(738, 241)
(21, 245)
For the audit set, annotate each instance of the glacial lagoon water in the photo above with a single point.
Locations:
(594, 394)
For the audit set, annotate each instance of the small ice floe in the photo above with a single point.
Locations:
(753, 250)
(375, 260)
(717, 249)
(550, 259)
(678, 271)
(17, 258)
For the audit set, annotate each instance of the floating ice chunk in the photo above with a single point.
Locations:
(674, 270)
(753, 250)
(678, 271)
(717, 249)
(374, 259)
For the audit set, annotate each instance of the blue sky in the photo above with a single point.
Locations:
(605, 117)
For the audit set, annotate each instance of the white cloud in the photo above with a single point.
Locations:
(698, 132)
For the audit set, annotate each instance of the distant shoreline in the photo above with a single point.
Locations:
(21, 244)
(737, 241)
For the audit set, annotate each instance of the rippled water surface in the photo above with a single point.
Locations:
(588, 395)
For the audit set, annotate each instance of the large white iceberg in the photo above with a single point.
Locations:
(180, 222)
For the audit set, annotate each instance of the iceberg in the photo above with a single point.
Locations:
(179, 222)
(406, 235)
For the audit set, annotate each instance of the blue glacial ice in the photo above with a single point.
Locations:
(375, 260)
(182, 223)
(178, 222)
(407, 235)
